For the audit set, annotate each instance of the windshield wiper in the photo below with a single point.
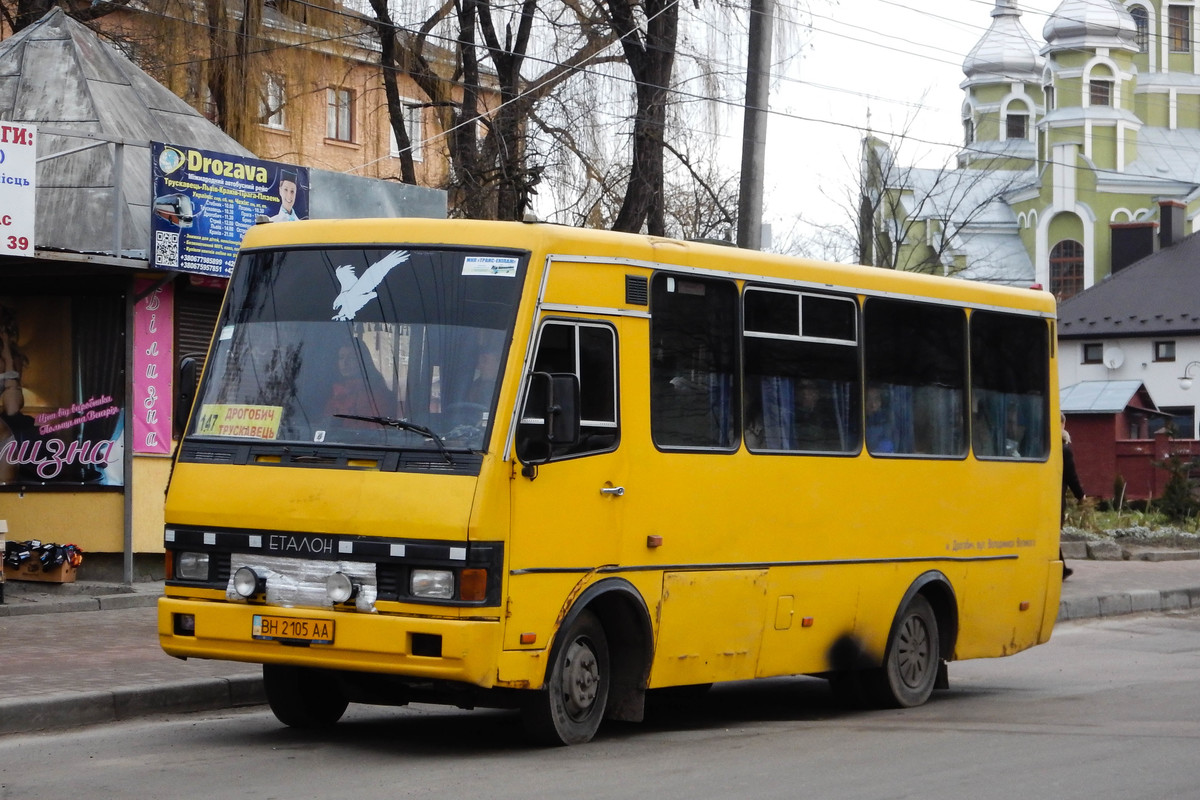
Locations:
(405, 425)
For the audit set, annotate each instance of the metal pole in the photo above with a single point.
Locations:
(754, 129)
(127, 439)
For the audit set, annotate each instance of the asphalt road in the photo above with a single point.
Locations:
(1108, 709)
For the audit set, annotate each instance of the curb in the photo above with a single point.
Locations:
(105, 602)
(63, 710)
(1138, 601)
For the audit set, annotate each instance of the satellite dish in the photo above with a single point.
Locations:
(1113, 357)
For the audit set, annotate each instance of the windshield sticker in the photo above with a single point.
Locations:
(226, 333)
(358, 291)
(490, 265)
(245, 421)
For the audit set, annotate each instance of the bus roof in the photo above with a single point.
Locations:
(561, 240)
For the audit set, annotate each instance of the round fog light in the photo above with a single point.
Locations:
(245, 582)
(339, 588)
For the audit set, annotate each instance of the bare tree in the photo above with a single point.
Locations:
(650, 54)
(943, 220)
(485, 97)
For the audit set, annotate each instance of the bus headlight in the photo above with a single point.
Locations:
(432, 584)
(246, 582)
(192, 566)
(339, 588)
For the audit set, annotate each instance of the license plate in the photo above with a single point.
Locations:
(293, 629)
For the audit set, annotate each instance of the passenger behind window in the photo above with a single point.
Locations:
(816, 424)
(1014, 434)
(881, 437)
(358, 387)
(982, 436)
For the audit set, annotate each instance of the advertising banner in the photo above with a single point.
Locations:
(61, 376)
(204, 202)
(153, 365)
(18, 173)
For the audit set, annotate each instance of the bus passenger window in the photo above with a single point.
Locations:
(693, 362)
(588, 351)
(801, 372)
(915, 360)
(1010, 379)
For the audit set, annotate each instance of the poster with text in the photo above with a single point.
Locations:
(204, 202)
(153, 365)
(18, 185)
(62, 410)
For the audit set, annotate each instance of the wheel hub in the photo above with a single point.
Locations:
(581, 679)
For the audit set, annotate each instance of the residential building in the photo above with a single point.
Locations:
(1129, 365)
(310, 91)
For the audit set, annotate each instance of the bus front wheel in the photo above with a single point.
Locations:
(303, 698)
(571, 706)
(910, 668)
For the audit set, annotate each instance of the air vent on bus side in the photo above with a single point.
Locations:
(637, 290)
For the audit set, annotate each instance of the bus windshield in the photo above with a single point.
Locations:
(385, 347)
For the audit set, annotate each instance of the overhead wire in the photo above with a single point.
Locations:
(272, 44)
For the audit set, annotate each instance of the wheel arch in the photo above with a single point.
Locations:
(626, 620)
(935, 587)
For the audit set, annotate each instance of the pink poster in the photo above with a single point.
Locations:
(153, 366)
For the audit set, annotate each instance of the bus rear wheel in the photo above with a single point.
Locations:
(303, 698)
(910, 668)
(571, 706)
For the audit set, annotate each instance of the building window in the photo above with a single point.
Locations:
(1164, 351)
(1050, 99)
(413, 123)
(1142, 22)
(271, 110)
(339, 115)
(968, 132)
(1066, 269)
(1016, 126)
(1093, 353)
(1100, 92)
(1179, 28)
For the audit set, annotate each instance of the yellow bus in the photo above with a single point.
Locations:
(528, 466)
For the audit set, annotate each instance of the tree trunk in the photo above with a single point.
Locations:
(651, 58)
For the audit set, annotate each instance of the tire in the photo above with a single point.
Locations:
(569, 709)
(910, 667)
(303, 698)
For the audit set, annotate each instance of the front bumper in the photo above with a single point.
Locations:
(380, 643)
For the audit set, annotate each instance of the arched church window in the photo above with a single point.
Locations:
(1066, 269)
(1141, 20)
(1016, 122)
(968, 131)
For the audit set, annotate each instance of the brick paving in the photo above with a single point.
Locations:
(83, 651)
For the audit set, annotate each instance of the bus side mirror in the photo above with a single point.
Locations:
(551, 418)
(562, 410)
(185, 388)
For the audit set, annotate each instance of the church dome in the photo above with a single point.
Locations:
(1006, 51)
(1089, 23)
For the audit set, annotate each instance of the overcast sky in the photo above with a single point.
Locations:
(899, 59)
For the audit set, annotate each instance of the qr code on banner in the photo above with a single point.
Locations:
(166, 249)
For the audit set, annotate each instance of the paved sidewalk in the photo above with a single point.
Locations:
(81, 654)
